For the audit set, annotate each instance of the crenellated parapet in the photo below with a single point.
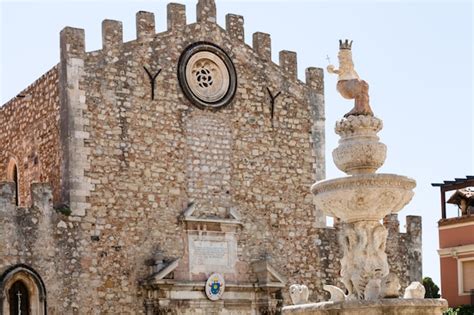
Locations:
(206, 11)
(73, 41)
(262, 45)
(77, 66)
(234, 25)
(112, 34)
(406, 245)
(176, 14)
(7, 195)
(145, 24)
(41, 197)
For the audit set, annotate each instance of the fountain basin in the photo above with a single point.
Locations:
(378, 307)
(364, 196)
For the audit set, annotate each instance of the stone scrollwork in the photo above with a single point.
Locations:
(207, 75)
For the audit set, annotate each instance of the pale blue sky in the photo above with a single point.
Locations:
(416, 56)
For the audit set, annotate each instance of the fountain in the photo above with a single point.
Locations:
(360, 201)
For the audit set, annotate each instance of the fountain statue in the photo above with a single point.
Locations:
(360, 201)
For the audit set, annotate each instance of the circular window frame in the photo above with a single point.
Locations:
(188, 53)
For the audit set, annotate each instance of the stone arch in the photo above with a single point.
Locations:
(13, 175)
(30, 279)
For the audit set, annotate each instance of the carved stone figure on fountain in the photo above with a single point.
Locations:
(349, 84)
(364, 263)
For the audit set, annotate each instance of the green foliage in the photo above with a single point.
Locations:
(460, 310)
(63, 209)
(432, 290)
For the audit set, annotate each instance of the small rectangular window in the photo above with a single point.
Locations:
(468, 275)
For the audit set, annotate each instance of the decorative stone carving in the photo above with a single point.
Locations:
(363, 197)
(364, 258)
(207, 75)
(349, 84)
(360, 201)
(299, 293)
(359, 150)
(415, 291)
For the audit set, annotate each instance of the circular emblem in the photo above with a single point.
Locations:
(207, 75)
(215, 286)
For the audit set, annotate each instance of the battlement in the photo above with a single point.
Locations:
(41, 195)
(413, 224)
(73, 40)
(7, 194)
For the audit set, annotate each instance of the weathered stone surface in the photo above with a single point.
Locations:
(299, 294)
(379, 307)
(359, 150)
(359, 202)
(128, 166)
(364, 258)
(29, 136)
(349, 85)
(415, 291)
(363, 197)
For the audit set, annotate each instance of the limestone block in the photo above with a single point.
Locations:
(390, 286)
(415, 291)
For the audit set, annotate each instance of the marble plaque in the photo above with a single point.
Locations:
(212, 253)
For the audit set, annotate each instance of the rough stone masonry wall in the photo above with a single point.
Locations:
(404, 249)
(138, 152)
(129, 171)
(29, 136)
(42, 239)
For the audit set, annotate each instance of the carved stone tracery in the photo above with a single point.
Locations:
(207, 75)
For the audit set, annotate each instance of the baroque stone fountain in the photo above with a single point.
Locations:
(360, 201)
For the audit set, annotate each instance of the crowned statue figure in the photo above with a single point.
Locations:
(349, 85)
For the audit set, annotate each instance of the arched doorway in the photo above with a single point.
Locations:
(19, 299)
(22, 292)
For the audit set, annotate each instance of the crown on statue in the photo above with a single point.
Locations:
(345, 44)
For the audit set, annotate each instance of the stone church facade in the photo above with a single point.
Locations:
(131, 174)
